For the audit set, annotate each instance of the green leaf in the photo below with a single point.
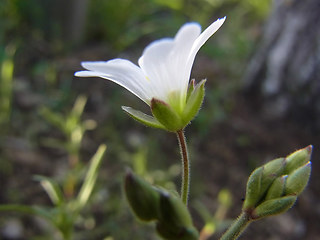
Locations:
(52, 188)
(143, 118)
(55, 119)
(32, 210)
(194, 102)
(166, 115)
(91, 177)
(74, 118)
(78, 106)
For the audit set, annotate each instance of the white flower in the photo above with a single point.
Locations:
(164, 67)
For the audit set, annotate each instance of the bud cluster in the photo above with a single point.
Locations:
(274, 187)
(149, 203)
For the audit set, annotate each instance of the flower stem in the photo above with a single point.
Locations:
(185, 166)
(237, 227)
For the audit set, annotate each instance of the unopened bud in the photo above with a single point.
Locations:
(274, 187)
(144, 199)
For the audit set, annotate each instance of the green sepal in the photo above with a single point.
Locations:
(143, 118)
(298, 180)
(273, 207)
(166, 115)
(191, 87)
(143, 198)
(277, 188)
(298, 159)
(194, 102)
(274, 168)
(271, 171)
(253, 189)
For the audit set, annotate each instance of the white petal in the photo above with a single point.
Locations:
(153, 64)
(122, 72)
(204, 36)
(164, 61)
(184, 41)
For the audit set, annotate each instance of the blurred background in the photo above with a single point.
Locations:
(262, 102)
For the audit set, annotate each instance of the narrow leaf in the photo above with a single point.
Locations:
(52, 189)
(91, 177)
(32, 210)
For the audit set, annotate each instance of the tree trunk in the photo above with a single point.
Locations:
(284, 73)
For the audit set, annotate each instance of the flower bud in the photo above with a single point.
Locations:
(274, 187)
(273, 207)
(143, 198)
(298, 180)
(298, 159)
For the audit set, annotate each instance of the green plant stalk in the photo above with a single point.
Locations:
(185, 167)
(237, 227)
(6, 82)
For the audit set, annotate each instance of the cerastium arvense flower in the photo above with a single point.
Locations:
(162, 80)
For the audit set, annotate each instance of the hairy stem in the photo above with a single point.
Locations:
(237, 227)
(185, 167)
